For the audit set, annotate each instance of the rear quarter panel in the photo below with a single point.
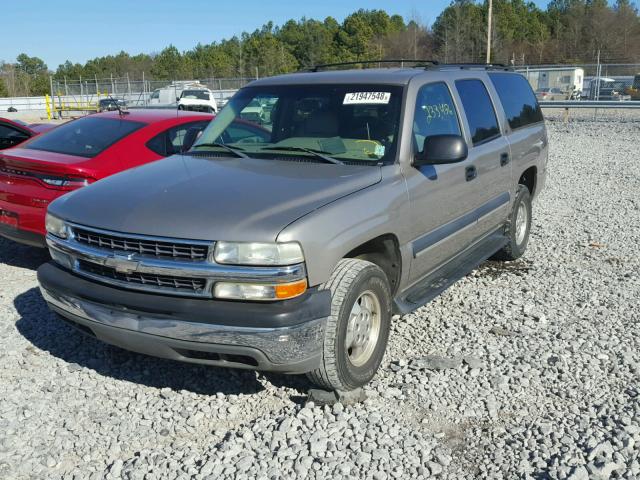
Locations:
(132, 150)
(530, 148)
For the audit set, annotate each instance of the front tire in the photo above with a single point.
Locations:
(357, 331)
(518, 228)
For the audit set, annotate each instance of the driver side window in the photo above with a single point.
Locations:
(435, 114)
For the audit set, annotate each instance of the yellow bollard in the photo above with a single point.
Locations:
(47, 102)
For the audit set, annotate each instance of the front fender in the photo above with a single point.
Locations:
(330, 232)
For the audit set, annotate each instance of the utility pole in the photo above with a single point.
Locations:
(489, 31)
(240, 62)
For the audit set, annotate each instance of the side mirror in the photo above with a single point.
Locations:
(439, 149)
(190, 138)
(177, 99)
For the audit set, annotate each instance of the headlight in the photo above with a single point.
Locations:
(265, 254)
(257, 291)
(56, 226)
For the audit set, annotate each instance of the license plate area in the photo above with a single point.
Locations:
(9, 218)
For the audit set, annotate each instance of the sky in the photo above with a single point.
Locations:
(78, 30)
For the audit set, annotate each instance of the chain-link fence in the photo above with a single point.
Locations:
(71, 97)
(86, 94)
(604, 82)
(125, 86)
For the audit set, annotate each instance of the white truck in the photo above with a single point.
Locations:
(170, 94)
(199, 99)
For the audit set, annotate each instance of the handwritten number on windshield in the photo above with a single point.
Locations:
(437, 111)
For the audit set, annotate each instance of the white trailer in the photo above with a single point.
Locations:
(567, 79)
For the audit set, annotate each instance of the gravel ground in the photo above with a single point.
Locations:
(524, 370)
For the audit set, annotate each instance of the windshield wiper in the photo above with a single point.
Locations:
(235, 150)
(316, 153)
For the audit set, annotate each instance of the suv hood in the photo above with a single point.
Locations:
(212, 198)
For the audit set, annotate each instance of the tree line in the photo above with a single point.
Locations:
(567, 31)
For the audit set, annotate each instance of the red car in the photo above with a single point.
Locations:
(14, 132)
(78, 153)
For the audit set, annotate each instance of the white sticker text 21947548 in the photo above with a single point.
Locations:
(367, 98)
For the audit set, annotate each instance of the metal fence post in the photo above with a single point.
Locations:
(51, 90)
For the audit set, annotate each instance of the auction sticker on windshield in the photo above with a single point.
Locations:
(367, 98)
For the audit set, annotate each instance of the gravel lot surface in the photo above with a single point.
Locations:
(524, 370)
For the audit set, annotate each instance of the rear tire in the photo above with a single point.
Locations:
(518, 228)
(357, 330)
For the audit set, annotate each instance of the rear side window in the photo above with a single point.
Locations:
(86, 137)
(435, 114)
(518, 99)
(170, 141)
(479, 110)
(10, 136)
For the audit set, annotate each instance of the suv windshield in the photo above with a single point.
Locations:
(85, 137)
(353, 123)
(199, 94)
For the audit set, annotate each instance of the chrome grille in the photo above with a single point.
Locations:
(194, 286)
(162, 265)
(144, 246)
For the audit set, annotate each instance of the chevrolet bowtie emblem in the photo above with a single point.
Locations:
(123, 263)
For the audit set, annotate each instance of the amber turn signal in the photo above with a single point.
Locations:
(259, 291)
(290, 290)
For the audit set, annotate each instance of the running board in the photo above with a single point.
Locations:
(436, 283)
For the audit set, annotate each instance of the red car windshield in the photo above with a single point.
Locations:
(85, 137)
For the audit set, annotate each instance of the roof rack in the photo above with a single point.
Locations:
(426, 64)
(485, 66)
(402, 61)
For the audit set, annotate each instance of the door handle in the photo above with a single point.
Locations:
(470, 173)
(504, 159)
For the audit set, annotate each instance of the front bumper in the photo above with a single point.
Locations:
(23, 236)
(283, 336)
